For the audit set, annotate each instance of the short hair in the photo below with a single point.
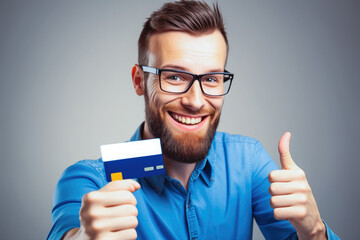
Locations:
(193, 17)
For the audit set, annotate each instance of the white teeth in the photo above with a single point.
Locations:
(186, 120)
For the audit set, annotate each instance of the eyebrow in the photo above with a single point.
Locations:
(176, 67)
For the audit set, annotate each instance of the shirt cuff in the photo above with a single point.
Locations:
(330, 234)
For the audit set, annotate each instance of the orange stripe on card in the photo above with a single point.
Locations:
(116, 176)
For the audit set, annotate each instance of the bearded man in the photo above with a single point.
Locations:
(215, 183)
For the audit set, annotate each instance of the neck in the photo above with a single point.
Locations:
(177, 170)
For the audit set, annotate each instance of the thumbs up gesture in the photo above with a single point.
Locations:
(292, 198)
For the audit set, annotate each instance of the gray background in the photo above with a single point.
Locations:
(66, 89)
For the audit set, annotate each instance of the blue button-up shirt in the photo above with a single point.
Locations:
(226, 191)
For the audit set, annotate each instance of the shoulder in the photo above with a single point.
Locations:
(240, 150)
(85, 165)
(222, 138)
(92, 170)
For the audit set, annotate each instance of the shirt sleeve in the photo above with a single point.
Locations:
(76, 181)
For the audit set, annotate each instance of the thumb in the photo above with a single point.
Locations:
(121, 185)
(284, 151)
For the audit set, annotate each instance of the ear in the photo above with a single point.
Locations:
(138, 79)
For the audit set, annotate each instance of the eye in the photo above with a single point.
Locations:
(174, 78)
(211, 79)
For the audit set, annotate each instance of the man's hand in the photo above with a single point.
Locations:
(109, 213)
(292, 198)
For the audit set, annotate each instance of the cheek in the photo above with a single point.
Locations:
(157, 99)
(152, 93)
(217, 103)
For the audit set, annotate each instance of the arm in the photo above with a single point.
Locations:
(81, 193)
(292, 198)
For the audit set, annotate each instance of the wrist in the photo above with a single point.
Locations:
(318, 233)
(71, 234)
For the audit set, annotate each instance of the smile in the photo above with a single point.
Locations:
(186, 119)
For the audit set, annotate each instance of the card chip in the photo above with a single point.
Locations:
(116, 176)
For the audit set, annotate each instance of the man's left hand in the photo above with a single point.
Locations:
(292, 198)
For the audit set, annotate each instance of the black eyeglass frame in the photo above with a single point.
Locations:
(158, 71)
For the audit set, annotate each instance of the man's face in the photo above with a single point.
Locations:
(185, 123)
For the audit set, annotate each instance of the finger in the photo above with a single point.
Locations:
(289, 213)
(126, 234)
(286, 175)
(114, 224)
(128, 185)
(284, 151)
(287, 200)
(110, 199)
(117, 211)
(283, 188)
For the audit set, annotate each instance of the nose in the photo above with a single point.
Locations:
(194, 98)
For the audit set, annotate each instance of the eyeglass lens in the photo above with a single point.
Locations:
(212, 84)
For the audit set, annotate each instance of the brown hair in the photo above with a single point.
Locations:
(193, 17)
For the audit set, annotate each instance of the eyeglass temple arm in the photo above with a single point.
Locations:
(150, 69)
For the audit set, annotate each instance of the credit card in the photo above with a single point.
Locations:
(134, 159)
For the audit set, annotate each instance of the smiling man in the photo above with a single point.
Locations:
(182, 112)
(215, 183)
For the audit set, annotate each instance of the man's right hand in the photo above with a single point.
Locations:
(109, 213)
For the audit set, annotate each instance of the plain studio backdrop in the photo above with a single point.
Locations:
(66, 89)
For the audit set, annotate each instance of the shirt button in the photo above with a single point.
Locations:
(212, 179)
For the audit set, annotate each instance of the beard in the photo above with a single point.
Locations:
(185, 147)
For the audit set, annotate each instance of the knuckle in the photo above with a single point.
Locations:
(302, 199)
(302, 213)
(271, 189)
(272, 202)
(271, 176)
(132, 233)
(301, 174)
(277, 214)
(93, 213)
(96, 226)
(304, 187)
(133, 221)
(133, 210)
(116, 184)
(91, 197)
(131, 198)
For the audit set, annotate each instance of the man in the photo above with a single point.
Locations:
(215, 183)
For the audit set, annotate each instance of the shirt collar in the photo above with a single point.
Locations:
(138, 133)
(204, 168)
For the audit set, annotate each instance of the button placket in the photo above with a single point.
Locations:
(193, 224)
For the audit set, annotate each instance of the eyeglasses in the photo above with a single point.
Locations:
(175, 81)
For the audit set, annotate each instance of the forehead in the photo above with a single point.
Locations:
(186, 50)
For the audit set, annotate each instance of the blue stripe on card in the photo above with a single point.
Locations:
(136, 167)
